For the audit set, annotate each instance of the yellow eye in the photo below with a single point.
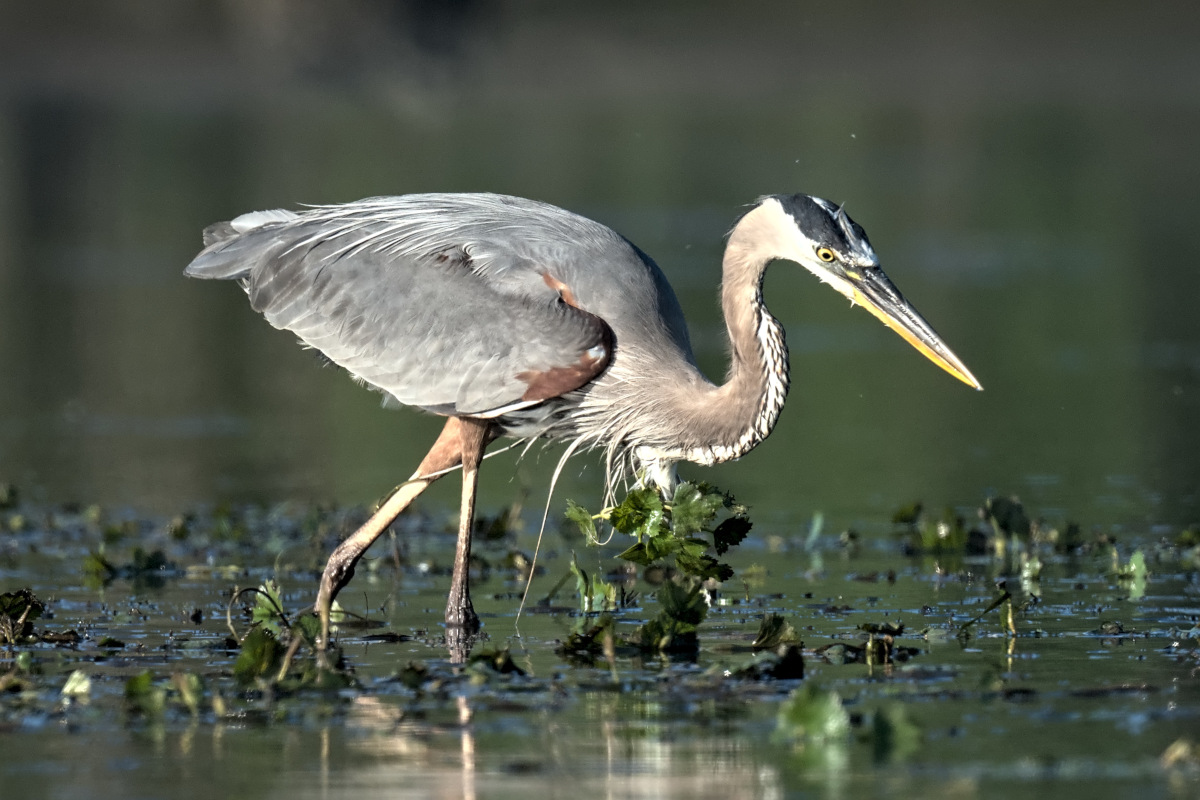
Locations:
(825, 254)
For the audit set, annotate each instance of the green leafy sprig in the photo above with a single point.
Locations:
(683, 529)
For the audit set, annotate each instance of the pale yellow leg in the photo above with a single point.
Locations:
(458, 607)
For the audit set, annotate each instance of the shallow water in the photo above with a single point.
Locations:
(1026, 174)
(1072, 700)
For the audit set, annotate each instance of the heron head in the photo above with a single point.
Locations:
(821, 237)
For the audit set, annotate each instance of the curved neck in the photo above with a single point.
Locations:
(740, 413)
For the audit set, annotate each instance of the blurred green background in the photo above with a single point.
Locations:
(1027, 171)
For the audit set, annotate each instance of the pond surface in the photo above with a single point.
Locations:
(1028, 175)
(1097, 682)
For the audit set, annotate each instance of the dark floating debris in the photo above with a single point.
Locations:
(18, 610)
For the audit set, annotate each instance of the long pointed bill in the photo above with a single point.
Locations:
(874, 292)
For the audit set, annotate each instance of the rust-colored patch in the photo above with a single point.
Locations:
(557, 381)
(453, 257)
(563, 290)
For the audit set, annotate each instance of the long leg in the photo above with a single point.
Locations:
(445, 453)
(459, 613)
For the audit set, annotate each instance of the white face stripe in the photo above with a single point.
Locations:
(804, 248)
(782, 237)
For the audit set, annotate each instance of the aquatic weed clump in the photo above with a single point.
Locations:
(683, 538)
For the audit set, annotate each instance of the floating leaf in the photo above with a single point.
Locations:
(683, 609)
(259, 656)
(17, 609)
(97, 570)
(774, 631)
(586, 644)
(786, 663)
(21, 603)
(413, 675)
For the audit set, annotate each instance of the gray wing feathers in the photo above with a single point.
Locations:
(229, 254)
(415, 295)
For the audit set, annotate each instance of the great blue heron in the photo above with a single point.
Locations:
(513, 317)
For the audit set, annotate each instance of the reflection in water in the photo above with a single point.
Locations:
(468, 748)
(602, 754)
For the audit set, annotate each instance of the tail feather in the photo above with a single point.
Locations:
(218, 232)
(228, 246)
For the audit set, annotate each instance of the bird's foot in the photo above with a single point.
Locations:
(338, 572)
(461, 614)
(462, 631)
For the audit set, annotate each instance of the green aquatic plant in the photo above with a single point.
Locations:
(682, 537)
(946, 536)
(489, 662)
(146, 569)
(145, 697)
(590, 641)
(1007, 517)
(148, 696)
(1132, 574)
(267, 610)
(893, 736)
(267, 651)
(595, 594)
(774, 631)
(812, 714)
(78, 685)
(682, 531)
(260, 657)
(1005, 597)
(683, 608)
